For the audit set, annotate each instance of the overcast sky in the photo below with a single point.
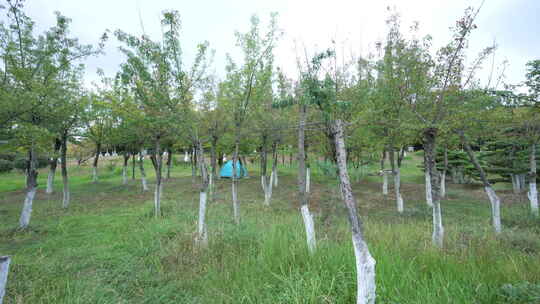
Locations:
(513, 24)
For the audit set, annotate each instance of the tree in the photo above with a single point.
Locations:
(432, 104)
(161, 88)
(34, 67)
(241, 84)
(326, 93)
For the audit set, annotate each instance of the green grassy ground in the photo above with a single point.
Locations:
(108, 248)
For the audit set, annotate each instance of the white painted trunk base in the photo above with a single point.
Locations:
(438, 230)
(94, 175)
(144, 184)
(365, 272)
(397, 188)
(124, 176)
(443, 184)
(202, 230)
(385, 183)
(310, 228)
(4, 270)
(429, 199)
(50, 181)
(495, 209)
(157, 200)
(308, 180)
(24, 220)
(533, 198)
(66, 194)
(236, 208)
(275, 180)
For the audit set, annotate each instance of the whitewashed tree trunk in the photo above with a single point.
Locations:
(429, 197)
(397, 188)
(158, 165)
(143, 173)
(50, 180)
(65, 180)
(493, 198)
(4, 270)
(533, 198)
(308, 180)
(385, 183)
(438, 230)
(365, 264)
(310, 228)
(268, 190)
(433, 184)
(522, 182)
(515, 183)
(495, 209)
(202, 238)
(275, 176)
(303, 183)
(26, 213)
(94, 175)
(31, 188)
(533, 192)
(202, 231)
(236, 206)
(124, 175)
(443, 184)
(157, 199)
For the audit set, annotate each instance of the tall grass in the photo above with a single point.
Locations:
(107, 248)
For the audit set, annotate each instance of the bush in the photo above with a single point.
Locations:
(20, 162)
(520, 293)
(8, 156)
(5, 166)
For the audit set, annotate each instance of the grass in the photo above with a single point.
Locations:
(108, 248)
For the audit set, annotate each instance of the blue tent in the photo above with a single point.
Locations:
(227, 170)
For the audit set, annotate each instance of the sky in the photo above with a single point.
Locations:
(357, 25)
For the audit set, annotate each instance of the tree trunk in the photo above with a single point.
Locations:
(308, 180)
(31, 188)
(159, 187)
(533, 192)
(385, 182)
(53, 164)
(4, 270)
(193, 165)
(236, 205)
(169, 163)
(65, 181)
(125, 168)
(202, 238)
(213, 159)
(95, 165)
(493, 198)
(429, 197)
(303, 184)
(430, 135)
(394, 162)
(384, 174)
(274, 180)
(365, 264)
(143, 174)
(133, 166)
(443, 173)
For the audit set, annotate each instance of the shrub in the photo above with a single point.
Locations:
(5, 166)
(521, 293)
(20, 162)
(8, 156)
